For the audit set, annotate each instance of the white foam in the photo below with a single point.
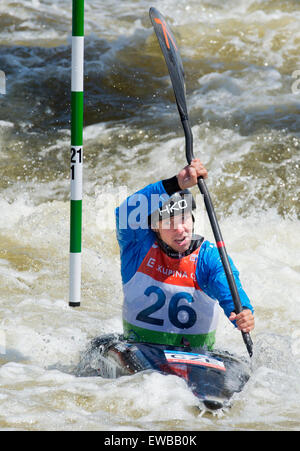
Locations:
(43, 336)
(6, 124)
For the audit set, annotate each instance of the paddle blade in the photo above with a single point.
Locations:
(171, 53)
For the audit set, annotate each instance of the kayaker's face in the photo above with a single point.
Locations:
(177, 232)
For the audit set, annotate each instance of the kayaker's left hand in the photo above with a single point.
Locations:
(244, 320)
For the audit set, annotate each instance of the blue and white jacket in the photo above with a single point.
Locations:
(136, 240)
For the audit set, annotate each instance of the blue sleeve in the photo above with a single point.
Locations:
(212, 278)
(133, 233)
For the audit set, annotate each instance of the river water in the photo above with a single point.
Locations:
(243, 95)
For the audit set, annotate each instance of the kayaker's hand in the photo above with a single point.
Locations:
(244, 320)
(188, 176)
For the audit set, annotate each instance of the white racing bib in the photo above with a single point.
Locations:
(164, 296)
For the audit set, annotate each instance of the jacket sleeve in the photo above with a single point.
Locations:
(212, 279)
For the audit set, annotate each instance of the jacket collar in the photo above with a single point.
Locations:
(196, 242)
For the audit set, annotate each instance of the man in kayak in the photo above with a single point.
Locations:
(173, 280)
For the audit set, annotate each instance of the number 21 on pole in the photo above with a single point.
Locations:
(76, 157)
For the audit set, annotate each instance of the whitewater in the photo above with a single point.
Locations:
(241, 60)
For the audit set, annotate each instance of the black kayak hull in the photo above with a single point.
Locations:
(213, 377)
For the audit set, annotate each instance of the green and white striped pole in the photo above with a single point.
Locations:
(76, 151)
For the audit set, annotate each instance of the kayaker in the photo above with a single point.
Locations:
(173, 280)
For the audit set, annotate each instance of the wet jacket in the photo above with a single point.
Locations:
(169, 300)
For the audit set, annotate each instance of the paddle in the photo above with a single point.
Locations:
(173, 60)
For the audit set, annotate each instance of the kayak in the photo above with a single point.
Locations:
(213, 377)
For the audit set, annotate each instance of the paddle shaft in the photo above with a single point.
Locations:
(216, 231)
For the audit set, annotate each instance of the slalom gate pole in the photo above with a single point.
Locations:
(76, 151)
